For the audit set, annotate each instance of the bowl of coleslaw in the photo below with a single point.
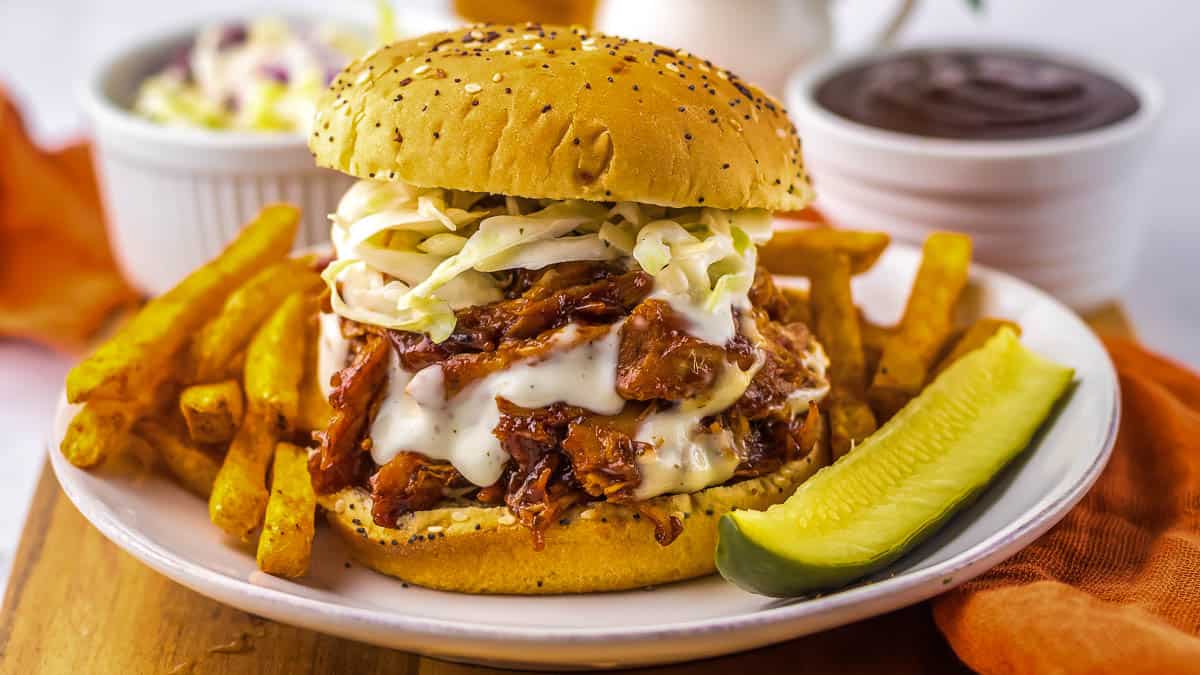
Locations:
(195, 130)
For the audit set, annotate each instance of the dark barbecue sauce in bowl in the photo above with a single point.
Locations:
(976, 94)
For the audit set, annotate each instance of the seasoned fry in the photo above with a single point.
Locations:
(212, 411)
(909, 353)
(221, 339)
(275, 361)
(789, 250)
(192, 466)
(851, 420)
(973, 338)
(285, 545)
(98, 430)
(239, 492)
(136, 358)
(837, 328)
(874, 337)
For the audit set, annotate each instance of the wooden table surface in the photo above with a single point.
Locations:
(79, 605)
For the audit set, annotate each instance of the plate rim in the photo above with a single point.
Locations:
(879, 596)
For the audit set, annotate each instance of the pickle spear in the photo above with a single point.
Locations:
(903, 482)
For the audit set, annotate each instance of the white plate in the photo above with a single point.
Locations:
(168, 529)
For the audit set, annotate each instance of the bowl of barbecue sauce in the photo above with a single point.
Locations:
(1035, 154)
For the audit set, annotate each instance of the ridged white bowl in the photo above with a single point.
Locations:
(1063, 213)
(175, 196)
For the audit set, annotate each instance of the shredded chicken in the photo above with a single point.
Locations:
(563, 455)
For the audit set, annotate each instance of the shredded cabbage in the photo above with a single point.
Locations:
(409, 257)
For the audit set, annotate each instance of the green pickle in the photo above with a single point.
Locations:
(903, 482)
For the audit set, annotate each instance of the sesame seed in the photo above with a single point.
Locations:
(507, 519)
(472, 88)
(497, 77)
(339, 506)
(421, 69)
(458, 516)
(672, 67)
(435, 528)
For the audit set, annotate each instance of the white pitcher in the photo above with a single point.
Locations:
(762, 41)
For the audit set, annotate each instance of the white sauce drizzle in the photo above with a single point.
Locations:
(415, 416)
(332, 350)
(715, 327)
(684, 457)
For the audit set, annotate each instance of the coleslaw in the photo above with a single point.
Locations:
(408, 257)
(265, 75)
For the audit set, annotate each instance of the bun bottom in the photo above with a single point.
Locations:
(601, 546)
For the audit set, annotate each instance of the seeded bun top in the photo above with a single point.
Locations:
(559, 113)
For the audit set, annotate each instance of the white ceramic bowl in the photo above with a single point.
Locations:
(1063, 212)
(175, 196)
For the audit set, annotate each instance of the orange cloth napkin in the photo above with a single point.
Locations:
(1115, 586)
(58, 280)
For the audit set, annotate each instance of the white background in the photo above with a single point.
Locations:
(48, 46)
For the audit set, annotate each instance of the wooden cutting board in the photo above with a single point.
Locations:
(79, 605)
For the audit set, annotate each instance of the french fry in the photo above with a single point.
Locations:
(193, 467)
(836, 322)
(285, 545)
(98, 430)
(239, 492)
(909, 353)
(974, 338)
(874, 337)
(136, 358)
(275, 361)
(215, 348)
(788, 251)
(212, 411)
